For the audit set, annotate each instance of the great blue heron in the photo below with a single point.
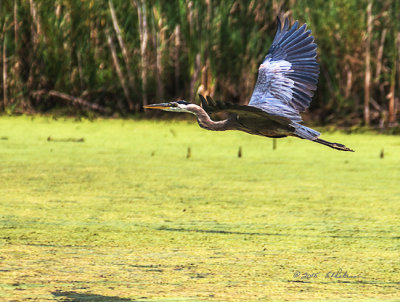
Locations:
(286, 80)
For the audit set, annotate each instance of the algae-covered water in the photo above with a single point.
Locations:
(113, 210)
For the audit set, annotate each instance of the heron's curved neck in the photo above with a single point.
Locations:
(206, 122)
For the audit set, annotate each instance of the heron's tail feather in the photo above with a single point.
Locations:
(333, 145)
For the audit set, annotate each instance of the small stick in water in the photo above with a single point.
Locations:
(240, 152)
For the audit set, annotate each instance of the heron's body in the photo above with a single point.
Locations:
(286, 80)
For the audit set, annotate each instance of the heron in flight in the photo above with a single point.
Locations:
(286, 80)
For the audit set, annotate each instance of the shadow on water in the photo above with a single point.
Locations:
(78, 297)
(273, 234)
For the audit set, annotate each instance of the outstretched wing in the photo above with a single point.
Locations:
(211, 107)
(289, 73)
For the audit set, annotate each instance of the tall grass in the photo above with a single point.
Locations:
(121, 54)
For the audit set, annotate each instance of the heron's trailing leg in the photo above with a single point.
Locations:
(333, 145)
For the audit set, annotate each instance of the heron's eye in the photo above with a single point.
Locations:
(174, 105)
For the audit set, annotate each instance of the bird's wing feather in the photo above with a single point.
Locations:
(289, 73)
(211, 107)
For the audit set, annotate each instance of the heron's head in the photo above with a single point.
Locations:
(178, 106)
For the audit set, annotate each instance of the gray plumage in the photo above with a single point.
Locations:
(286, 80)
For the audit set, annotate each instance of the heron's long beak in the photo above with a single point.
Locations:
(157, 106)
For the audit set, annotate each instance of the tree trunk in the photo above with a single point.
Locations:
(38, 31)
(17, 58)
(195, 78)
(70, 98)
(119, 72)
(379, 65)
(392, 96)
(35, 33)
(380, 55)
(143, 33)
(5, 97)
(123, 48)
(176, 58)
(158, 43)
(367, 79)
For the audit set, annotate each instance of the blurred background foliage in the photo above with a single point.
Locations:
(112, 57)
